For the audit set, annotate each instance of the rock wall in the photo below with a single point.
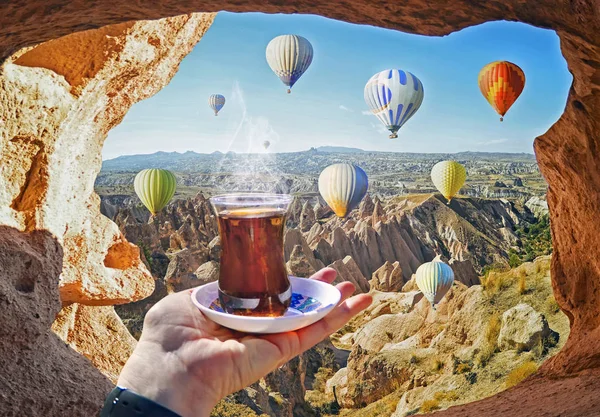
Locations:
(57, 110)
(40, 375)
(59, 100)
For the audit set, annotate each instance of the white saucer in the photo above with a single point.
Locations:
(311, 301)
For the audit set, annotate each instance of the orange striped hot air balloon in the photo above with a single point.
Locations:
(501, 83)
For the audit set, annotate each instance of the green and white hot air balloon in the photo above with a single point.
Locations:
(448, 177)
(434, 279)
(155, 187)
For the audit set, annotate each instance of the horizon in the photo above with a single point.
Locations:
(327, 108)
(307, 150)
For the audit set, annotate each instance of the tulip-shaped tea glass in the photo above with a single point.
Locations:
(253, 279)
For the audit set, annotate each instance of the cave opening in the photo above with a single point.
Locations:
(104, 107)
(214, 155)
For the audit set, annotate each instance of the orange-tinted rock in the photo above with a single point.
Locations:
(98, 334)
(59, 100)
(66, 95)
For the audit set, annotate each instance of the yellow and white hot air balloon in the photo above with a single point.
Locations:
(448, 177)
(343, 186)
(155, 187)
(266, 144)
(289, 56)
(434, 279)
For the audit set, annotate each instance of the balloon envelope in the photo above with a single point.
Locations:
(266, 144)
(434, 279)
(394, 96)
(501, 83)
(343, 186)
(289, 56)
(216, 102)
(448, 177)
(155, 188)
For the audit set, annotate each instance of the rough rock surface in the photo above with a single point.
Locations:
(366, 206)
(523, 328)
(68, 94)
(388, 277)
(538, 206)
(59, 100)
(298, 265)
(294, 237)
(347, 270)
(40, 373)
(183, 264)
(214, 249)
(206, 273)
(464, 272)
(307, 217)
(98, 334)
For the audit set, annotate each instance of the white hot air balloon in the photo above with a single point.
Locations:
(343, 186)
(289, 56)
(266, 144)
(216, 102)
(434, 279)
(394, 96)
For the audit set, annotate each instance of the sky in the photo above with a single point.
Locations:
(326, 106)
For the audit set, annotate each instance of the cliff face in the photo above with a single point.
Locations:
(60, 98)
(412, 230)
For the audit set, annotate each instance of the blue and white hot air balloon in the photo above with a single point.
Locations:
(289, 56)
(394, 96)
(343, 186)
(216, 102)
(434, 279)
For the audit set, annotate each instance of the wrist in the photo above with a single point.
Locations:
(160, 377)
(122, 402)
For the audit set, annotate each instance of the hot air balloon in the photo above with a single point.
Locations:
(394, 96)
(448, 177)
(434, 279)
(501, 83)
(342, 186)
(155, 187)
(266, 144)
(289, 56)
(216, 102)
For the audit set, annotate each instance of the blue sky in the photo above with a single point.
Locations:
(327, 107)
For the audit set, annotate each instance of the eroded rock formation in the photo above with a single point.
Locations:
(59, 100)
(40, 374)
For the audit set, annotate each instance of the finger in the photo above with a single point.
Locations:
(313, 334)
(346, 289)
(325, 275)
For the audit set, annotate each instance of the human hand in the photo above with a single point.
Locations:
(188, 363)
